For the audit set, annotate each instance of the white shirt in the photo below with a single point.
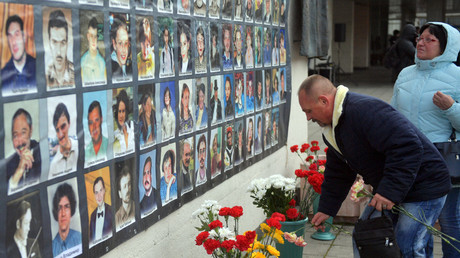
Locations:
(61, 165)
(99, 223)
(21, 244)
(120, 136)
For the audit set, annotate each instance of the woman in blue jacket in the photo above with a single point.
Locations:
(428, 93)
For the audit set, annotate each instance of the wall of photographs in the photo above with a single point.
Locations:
(115, 113)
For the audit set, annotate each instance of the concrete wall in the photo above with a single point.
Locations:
(361, 36)
(174, 236)
(343, 13)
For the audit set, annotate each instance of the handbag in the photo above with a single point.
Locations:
(450, 151)
(375, 237)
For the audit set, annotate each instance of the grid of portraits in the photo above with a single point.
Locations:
(117, 112)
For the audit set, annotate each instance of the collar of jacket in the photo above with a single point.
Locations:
(329, 131)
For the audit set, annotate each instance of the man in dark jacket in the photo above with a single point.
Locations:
(405, 48)
(367, 136)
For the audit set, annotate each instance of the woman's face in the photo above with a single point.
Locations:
(185, 99)
(167, 99)
(200, 44)
(148, 107)
(250, 131)
(201, 99)
(121, 113)
(228, 90)
(167, 169)
(214, 145)
(248, 40)
(184, 46)
(428, 50)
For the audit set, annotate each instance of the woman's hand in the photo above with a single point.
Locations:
(442, 100)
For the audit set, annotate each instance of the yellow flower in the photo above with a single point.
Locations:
(265, 228)
(272, 250)
(257, 255)
(256, 245)
(278, 236)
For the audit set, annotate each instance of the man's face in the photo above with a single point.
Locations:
(94, 125)
(125, 189)
(250, 90)
(62, 131)
(259, 89)
(267, 86)
(99, 194)
(167, 169)
(200, 44)
(91, 35)
(121, 113)
(202, 154)
(58, 47)
(228, 90)
(23, 225)
(121, 45)
(21, 134)
(65, 214)
(239, 42)
(267, 6)
(186, 155)
(184, 46)
(227, 41)
(167, 99)
(16, 41)
(229, 139)
(315, 109)
(201, 99)
(185, 98)
(147, 176)
(185, 4)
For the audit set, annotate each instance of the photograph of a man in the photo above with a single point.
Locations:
(100, 223)
(186, 165)
(145, 48)
(283, 85)
(227, 8)
(201, 63)
(24, 231)
(267, 47)
(267, 130)
(122, 70)
(201, 153)
(258, 140)
(93, 69)
(215, 105)
(64, 210)
(126, 208)
(215, 152)
(58, 42)
(228, 154)
(238, 154)
(214, 9)
(201, 113)
(24, 164)
(166, 47)
(259, 11)
(227, 58)
(95, 127)
(228, 102)
(268, 89)
(63, 135)
(267, 12)
(238, 58)
(147, 192)
(168, 180)
(249, 92)
(199, 8)
(259, 90)
(18, 74)
(274, 122)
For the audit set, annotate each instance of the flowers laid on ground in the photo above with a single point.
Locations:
(223, 240)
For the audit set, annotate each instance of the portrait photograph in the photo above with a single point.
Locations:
(249, 10)
(229, 147)
(259, 90)
(201, 102)
(201, 50)
(249, 82)
(144, 5)
(215, 151)
(283, 90)
(64, 213)
(62, 135)
(276, 47)
(167, 171)
(238, 10)
(267, 47)
(282, 13)
(148, 126)
(238, 51)
(258, 11)
(184, 48)
(123, 123)
(267, 12)
(119, 3)
(214, 9)
(58, 45)
(199, 8)
(227, 9)
(275, 123)
(249, 143)
(283, 54)
(91, 2)
(267, 129)
(258, 50)
(167, 110)
(186, 107)
(276, 12)
(99, 201)
(94, 122)
(21, 142)
(125, 208)
(18, 65)
(275, 87)
(258, 140)
(248, 47)
(92, 49)
(183, 7)
(147, 183)
(186, 164)
(165, 6)
(24, 230)
(228, 96)
(227, 56)
(145, 48)
(268, 98)
(238, 142)
(216, 102)
(239, 94)
(166, 48)
(214, 55)
(201, 163)
(120, 47)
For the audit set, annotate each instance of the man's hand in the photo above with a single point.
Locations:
(26, 161)
(381, 203)
(318, 220)
(442, 100)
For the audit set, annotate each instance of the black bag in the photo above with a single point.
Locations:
(391, 58)
(450, 151)
(375, 238)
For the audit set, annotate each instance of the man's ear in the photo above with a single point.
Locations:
(322, 99)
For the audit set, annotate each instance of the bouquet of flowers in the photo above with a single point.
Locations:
(221, 240)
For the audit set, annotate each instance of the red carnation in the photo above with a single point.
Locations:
(294, 148)
(305, 147)
(325, 149)
(274, 222)
(228, 244)
(225, 211)
(278, 216)
(313, 166)
(210, 245)
(299, 173)
(201, 237)
(242, 243)
(236, 211)
(292, 213)
(216, 223)
(316, 180)
(311, 172)
(315, 148)
(310, 158)
(321, 162)
(292, 203)
(250, 236)
(314, 143)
